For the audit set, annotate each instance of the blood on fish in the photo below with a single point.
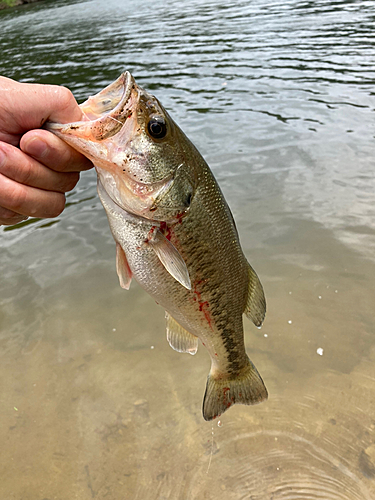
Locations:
(203, 305)
(226, 402)
(166, 230)
(149, 234)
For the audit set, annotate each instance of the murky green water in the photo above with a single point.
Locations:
(279, 98)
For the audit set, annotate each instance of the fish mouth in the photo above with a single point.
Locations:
(104, 113)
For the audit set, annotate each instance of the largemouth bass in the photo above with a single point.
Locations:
(174, 233)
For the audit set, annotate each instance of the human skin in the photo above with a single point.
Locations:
(36, 167)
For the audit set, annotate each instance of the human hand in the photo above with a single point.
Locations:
(36, 167)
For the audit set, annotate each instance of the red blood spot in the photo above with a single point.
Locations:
(149, 234)
(166, 230)
(204, 306)
(227, 402)
(225, 390)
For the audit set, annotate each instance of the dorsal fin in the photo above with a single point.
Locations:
(180, 339)
(256, 303)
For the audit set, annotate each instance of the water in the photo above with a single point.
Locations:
(279, 98)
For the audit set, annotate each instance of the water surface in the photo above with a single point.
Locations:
(279, 98)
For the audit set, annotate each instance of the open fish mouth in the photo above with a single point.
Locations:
(104, 113)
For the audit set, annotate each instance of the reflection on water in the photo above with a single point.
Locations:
(279, 97)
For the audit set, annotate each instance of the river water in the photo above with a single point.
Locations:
(279, 98)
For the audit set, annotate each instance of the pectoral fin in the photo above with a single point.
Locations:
(256, 303)
(122, 267)
(180, 339)
(170, 258)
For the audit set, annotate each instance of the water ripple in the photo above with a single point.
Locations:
(281, 466)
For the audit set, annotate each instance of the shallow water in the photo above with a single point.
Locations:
(279, 98)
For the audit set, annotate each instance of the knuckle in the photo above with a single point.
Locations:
(17, 196)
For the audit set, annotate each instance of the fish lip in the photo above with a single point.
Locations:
(105, 124)
(124, 83)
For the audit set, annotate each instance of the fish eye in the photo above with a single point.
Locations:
(157, 128)
(188, 199)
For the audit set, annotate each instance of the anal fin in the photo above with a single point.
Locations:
(122, 267)
(180, 339)
(256, 302)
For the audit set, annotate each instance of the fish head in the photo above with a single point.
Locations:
(143, 159)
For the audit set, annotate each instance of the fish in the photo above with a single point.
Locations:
(174, 233)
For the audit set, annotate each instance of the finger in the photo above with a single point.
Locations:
(30, 105)
(8, 217)
(53, 152)
(23, 169)
(28, 200)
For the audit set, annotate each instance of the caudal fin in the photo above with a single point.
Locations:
(246, 388)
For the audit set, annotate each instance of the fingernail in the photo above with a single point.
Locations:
(36, 148)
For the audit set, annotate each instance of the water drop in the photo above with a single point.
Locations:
(152, 347)
(290, 321)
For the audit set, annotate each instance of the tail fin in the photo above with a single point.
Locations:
(246, 388)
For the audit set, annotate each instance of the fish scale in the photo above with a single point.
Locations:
(175, 233)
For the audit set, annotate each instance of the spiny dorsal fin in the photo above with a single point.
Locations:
(256, 303)
(170, 258)
(122, 267)
(180, 339)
